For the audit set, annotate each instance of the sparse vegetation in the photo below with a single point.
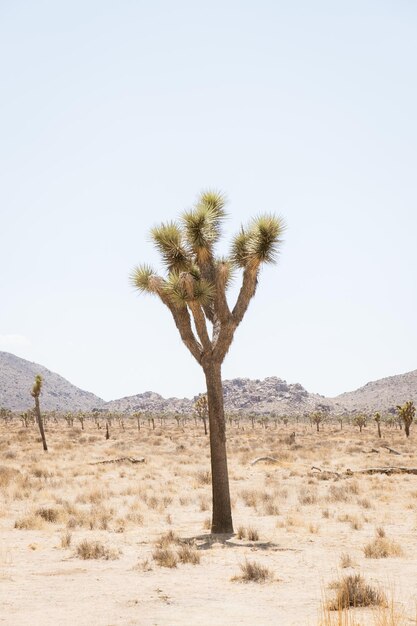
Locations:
(61, 500)
(381, 548)
(353, 591)
(91, 549)
(254, 572)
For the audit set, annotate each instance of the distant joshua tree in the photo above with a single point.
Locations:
(377, 418)
(194, 291)
(201, 408)
(360, 421)
(317, 418)
(36, 392)
(406, 414)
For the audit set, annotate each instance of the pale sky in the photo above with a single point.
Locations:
(114, 115)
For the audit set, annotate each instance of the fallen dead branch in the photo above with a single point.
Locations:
(130, 459)
(371, 470)
(391, 450)
(267, 459)
(384, 470)
(326, 472)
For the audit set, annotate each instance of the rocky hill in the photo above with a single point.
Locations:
(380, 395)
(16, 380)
(271, 396)
(150, 401)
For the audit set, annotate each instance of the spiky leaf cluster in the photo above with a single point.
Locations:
(168, 239)
(36, 389)
(202, 224)
(141, 278)
(185, 287)
(259, 243)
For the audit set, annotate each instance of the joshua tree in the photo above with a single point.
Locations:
(201, 408)
(406, 414)
(194, 290)
(377, 418)
(317, 418)
(138, 415)
(36, 392)
(360, 420)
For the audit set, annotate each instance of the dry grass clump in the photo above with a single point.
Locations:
(7, 475)
(41, 472)
(66, 539)
(91, 549)
(307, 496)
(353, 591)
(267, 504)
(203, 477)
(353, 520)
(165, 557)
(253, 572)
(30, 521)
(188, 554)
(249, 533)
(337, 494)
(167, 539)
(250, 497)
(35, 519)
(346, 560)
(48, 514)
(381, 548)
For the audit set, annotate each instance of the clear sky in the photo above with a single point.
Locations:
(114, 115)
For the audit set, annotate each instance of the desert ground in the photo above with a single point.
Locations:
(125, 544)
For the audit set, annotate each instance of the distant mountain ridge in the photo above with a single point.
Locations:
(16, 380)
(271, 396)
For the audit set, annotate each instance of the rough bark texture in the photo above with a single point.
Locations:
(40, 423)
(222, 511)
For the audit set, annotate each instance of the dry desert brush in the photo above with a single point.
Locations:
(194, 290)
(254, 572)
(353, 591)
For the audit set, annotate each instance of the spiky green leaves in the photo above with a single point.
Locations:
(184, 287)
(168, 240)
(259, 243)
(202, 225)
(143, 279)
(36, 389)
(239, 251)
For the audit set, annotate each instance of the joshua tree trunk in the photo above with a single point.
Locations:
(318, 427)
(407, 429)
(40, 423)
(379, 430)
(205, 425)
(222, 512)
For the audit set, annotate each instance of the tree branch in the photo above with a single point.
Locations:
(221, 305)
(182, 321)
(247, 291)
(201, 326)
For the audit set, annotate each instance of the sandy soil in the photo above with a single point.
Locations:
(51, 502)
